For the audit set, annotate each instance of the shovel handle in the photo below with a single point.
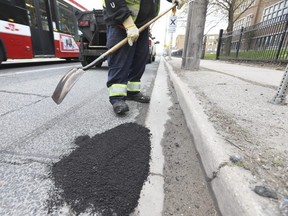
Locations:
(125, 40)
(156, 18)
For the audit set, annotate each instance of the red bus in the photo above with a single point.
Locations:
(38, 28)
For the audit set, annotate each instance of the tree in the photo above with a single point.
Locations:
(233, 9)
(214, 18)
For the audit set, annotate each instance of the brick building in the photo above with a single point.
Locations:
(263, 35)
(259, 11)
(180, 40)
(211, 43)
(210, 47)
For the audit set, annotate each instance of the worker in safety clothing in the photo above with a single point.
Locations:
(127, 65)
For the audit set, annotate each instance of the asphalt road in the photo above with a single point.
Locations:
(45, 147)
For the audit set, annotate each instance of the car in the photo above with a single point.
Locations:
(152, 49)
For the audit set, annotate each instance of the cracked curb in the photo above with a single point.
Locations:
(215, 173)
(230, 184)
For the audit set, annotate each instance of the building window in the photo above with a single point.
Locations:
(238, 24)
(244, 22)
(246, 4)
(276, 10)
(248, 20)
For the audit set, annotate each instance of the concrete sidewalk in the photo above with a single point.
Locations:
(241, 137)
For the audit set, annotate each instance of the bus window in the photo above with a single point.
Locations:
(10, 13)
(43, 15)
(17, 3)
(66, 18)
(31, 13)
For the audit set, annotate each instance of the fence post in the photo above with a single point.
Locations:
(219, 44)
(281, 41)
(239, 43)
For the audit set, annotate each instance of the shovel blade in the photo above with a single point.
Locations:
(66, 83)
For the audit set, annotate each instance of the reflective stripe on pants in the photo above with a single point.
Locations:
(134, 86)
(118, 90)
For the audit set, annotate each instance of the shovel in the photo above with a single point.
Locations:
(72, 76)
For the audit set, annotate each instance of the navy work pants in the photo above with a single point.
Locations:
(129, 62)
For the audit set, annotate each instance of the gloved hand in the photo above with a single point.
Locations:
(179, 3)
(131, 30)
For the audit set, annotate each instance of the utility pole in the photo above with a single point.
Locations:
(194, 34)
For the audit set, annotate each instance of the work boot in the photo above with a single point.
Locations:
(139, 97)
(120, 107)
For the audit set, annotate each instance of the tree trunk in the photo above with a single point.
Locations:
(228, 41)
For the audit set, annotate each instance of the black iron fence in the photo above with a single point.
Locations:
(266, 41)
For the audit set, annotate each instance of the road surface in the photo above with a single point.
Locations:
(78, 158)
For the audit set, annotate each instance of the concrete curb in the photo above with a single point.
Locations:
(151, 200)
(230, 184)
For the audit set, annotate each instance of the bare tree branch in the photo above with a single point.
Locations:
(233, 8)
(212, 27)
(239, 15)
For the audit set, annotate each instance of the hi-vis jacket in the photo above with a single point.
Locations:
(142, 11)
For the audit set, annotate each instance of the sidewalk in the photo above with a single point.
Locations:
(241, 137)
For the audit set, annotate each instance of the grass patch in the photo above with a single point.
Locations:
(210, 56)
(257, 55)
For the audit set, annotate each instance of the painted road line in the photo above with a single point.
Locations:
(35, 71)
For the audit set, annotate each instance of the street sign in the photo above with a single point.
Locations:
(172, 24)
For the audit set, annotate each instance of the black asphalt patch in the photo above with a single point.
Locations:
(105, 174)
